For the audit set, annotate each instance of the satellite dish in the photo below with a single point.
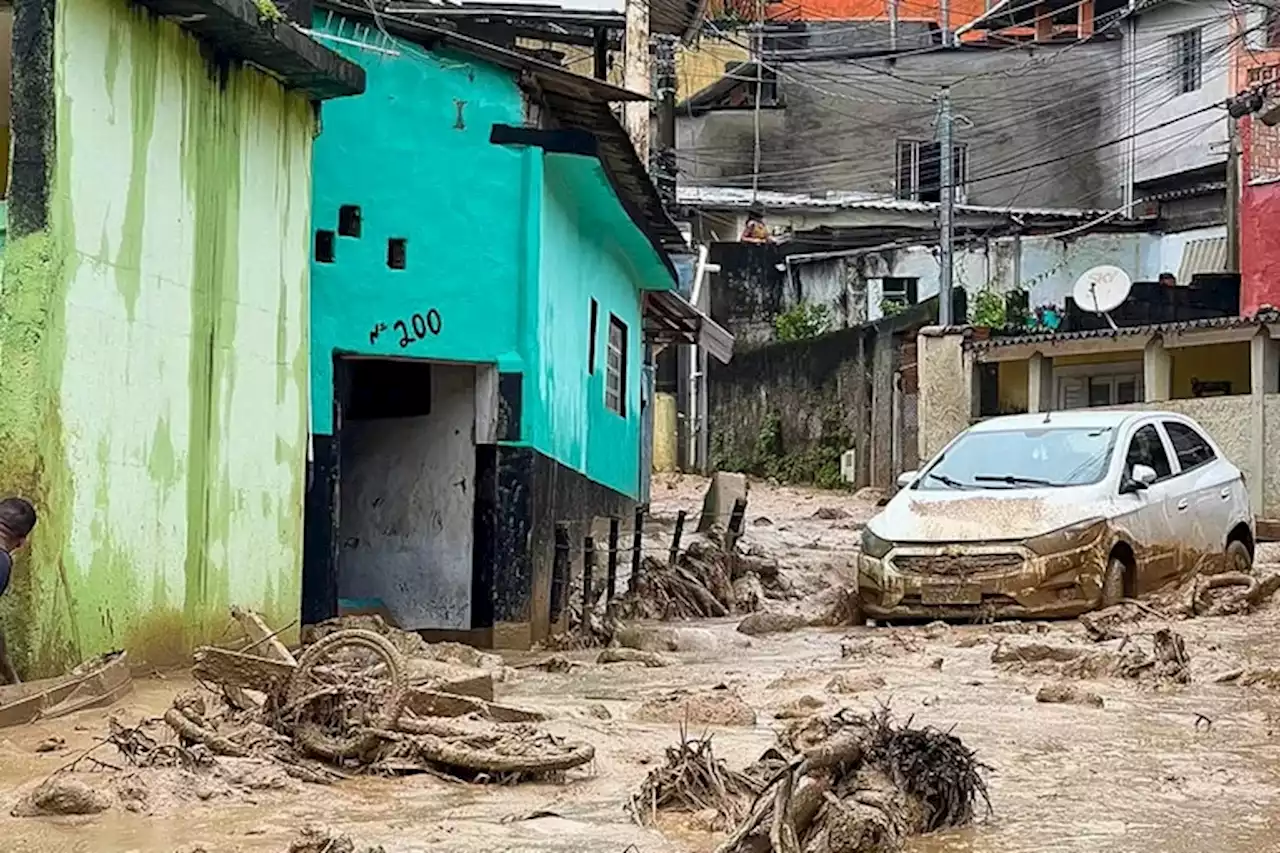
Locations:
(1102, 289)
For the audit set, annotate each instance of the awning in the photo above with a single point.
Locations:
(1200, 257)
(670, 319)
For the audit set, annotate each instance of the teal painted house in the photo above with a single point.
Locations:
(490, 260)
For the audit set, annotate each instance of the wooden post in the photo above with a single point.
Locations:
(588, 569)
(675, 540)
(611, 580)
(559, 572)
(636, 553)
(736, 519)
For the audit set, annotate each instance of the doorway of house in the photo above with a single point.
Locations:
(405, 500)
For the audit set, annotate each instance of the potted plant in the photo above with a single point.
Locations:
(986, 313)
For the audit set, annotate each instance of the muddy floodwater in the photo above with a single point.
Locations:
(1188, 768)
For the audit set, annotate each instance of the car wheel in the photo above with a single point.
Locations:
(1238, 557)
(1113, 582)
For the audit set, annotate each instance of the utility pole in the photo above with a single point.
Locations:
(1233, 194)
(635, 75)
(663, 166)
(946, 213)
(944, 21)
(893, 24)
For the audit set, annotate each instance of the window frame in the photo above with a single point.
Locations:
(907, 296)
(1204, 439)
(1188, 60)
(909, 153)
(621, 371)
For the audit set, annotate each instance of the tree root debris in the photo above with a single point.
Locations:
(694, 780)
(842, 783)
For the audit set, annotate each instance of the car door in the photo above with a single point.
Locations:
(1146, 514)
(1204, 493)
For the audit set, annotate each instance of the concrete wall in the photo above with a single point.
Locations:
(946, 390)
(408, 502)
(581, 260)
(1259, 213)
(1192, 143)
(842, 120)
(789, 410)
(154, 341)
(458, 207)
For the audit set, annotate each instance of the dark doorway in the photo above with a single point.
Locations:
(402, 505)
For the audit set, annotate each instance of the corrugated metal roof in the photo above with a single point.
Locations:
(1126, 331)
(1208, 255)
(734, 198)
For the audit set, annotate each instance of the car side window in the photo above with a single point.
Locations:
(1189, 446)
(1146, 448)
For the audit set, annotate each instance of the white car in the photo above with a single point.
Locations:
(1054, 515)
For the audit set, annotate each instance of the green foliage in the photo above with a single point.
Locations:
(988, 309)
(817, 464)
(891, 307)
(268, 11)
(802, 321)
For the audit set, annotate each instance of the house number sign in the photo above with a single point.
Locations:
(410, 330)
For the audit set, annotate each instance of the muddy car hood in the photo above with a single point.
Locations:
(938, 516)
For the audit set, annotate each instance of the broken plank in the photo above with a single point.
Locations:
(237, 669)
(434, 703)
(265, 642)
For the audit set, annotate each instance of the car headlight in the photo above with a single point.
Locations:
(873, 545)
(1067, 538)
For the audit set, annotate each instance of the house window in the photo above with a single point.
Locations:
(920, 173)
(1187, 61)
(615, 372)
(1084, 386)
(901, 291)
(591, 338)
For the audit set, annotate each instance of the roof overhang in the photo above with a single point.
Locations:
(670, 319)
(235, 29)
(1188, 333)
(678, 17)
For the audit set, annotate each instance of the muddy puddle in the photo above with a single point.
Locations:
(1192, 768)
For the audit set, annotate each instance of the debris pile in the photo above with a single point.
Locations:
(839, 783)
(698, 584)
(348, 702)
(1225, 594)
(345, 705)
(1159, 657)
(692, 780)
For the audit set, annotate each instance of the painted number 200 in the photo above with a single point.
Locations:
(418, 327)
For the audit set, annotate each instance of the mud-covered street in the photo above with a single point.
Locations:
(1123, 761)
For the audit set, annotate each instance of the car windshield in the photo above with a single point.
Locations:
(1051, 457)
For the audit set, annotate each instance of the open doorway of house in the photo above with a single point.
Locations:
(406, 492)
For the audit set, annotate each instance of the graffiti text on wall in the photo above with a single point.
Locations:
(410, 330)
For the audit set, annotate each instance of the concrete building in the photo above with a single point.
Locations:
(154, 331)
(855, 127)
(490, 263)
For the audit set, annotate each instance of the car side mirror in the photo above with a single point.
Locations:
(1140, 478)
(906, 478)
